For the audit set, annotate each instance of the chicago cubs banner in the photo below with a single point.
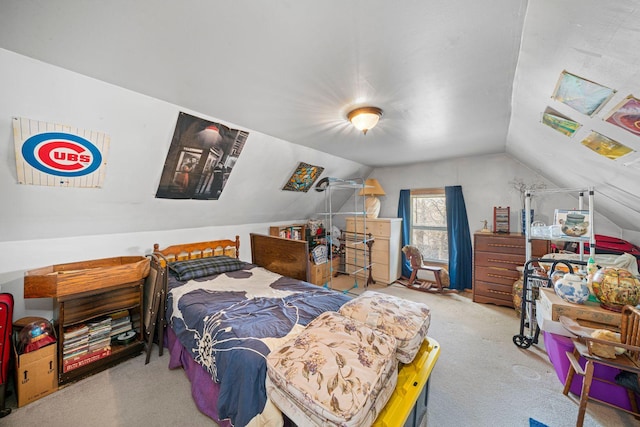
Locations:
(58, 155)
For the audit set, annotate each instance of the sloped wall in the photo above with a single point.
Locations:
(140, 129)
(48, 225)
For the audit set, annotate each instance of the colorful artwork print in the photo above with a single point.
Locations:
(627, 115)
(200, 159)
(557, 121)
(57, 155)
(605, 146)
(303, 177)
(582, 95)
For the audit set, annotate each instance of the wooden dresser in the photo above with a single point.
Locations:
(385, 253)
(495, 259)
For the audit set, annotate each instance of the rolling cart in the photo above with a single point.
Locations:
(535, 277)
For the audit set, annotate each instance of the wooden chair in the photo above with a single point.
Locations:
(424, 277)
(586, 347)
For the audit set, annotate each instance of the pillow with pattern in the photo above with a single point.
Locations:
(202, 267)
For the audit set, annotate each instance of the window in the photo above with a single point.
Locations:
(429, 224)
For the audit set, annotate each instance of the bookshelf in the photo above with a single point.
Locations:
(92, 294)
(289, 231)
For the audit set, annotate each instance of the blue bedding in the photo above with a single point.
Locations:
(230, 321)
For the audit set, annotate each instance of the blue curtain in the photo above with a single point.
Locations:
(460, 253)
(404, 212)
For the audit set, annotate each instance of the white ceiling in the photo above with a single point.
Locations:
(294, 69)
(453, 77)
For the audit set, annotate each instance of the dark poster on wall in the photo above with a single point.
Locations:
(200, 159)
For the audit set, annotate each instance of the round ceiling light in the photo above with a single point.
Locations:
(365, 118)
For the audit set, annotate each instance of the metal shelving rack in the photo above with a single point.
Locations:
(360, 265)
(529, 329)
(581, 196)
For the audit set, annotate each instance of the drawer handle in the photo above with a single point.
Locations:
(502, 261)
(501, 277)
(499, 292)
(497, 245)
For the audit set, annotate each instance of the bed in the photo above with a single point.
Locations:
(224, 321)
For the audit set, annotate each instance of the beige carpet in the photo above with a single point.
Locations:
(480, 379)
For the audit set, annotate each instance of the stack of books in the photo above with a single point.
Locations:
(76, 341)
(86, 343)
(120, 323)
(99, 334)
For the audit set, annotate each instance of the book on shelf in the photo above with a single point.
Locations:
(294, 232)
(121, 329)
(67, 349)
(72, 363)
(75, 331)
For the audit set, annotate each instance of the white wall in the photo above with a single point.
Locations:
(42, 226)
(140, 128)
(21, 256)
(485, 184)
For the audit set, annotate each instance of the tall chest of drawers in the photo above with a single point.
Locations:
(385, 252)
(495, 259)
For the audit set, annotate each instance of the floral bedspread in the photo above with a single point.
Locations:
(231, 321)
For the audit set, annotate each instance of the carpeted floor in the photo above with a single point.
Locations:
(481, 379)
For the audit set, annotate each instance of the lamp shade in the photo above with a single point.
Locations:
(365, 118)
(372, 188)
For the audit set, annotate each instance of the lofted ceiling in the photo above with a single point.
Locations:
(453, 77)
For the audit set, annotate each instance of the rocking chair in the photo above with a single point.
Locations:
(424, 277)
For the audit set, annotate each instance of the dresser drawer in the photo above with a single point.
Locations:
(492, 259)
(485, 292)
(376, 228)
(504, 245)
(356, 259)
(501, 276)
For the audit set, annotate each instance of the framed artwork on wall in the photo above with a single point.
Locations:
(605, 146)
(580, 94)
(201, 157)
(303, 177)
(626, 115)
(559, 122)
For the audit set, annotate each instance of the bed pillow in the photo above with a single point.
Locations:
(201, 267)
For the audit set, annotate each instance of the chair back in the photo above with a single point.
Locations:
(630, 330)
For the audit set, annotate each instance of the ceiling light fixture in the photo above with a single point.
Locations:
(365, 118)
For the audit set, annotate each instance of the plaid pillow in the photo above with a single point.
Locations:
(201, 267)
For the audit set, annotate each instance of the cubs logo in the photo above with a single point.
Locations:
(61, 154)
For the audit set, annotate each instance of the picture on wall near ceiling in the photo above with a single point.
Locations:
(626, 115)
(580, 94)
(200, 159)
(605, 146)
(561, 123)
(57, 155)
(303, 177)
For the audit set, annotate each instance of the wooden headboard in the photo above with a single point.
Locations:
(283, 256)
(185, 251)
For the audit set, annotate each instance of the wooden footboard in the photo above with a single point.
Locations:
(283, 256)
